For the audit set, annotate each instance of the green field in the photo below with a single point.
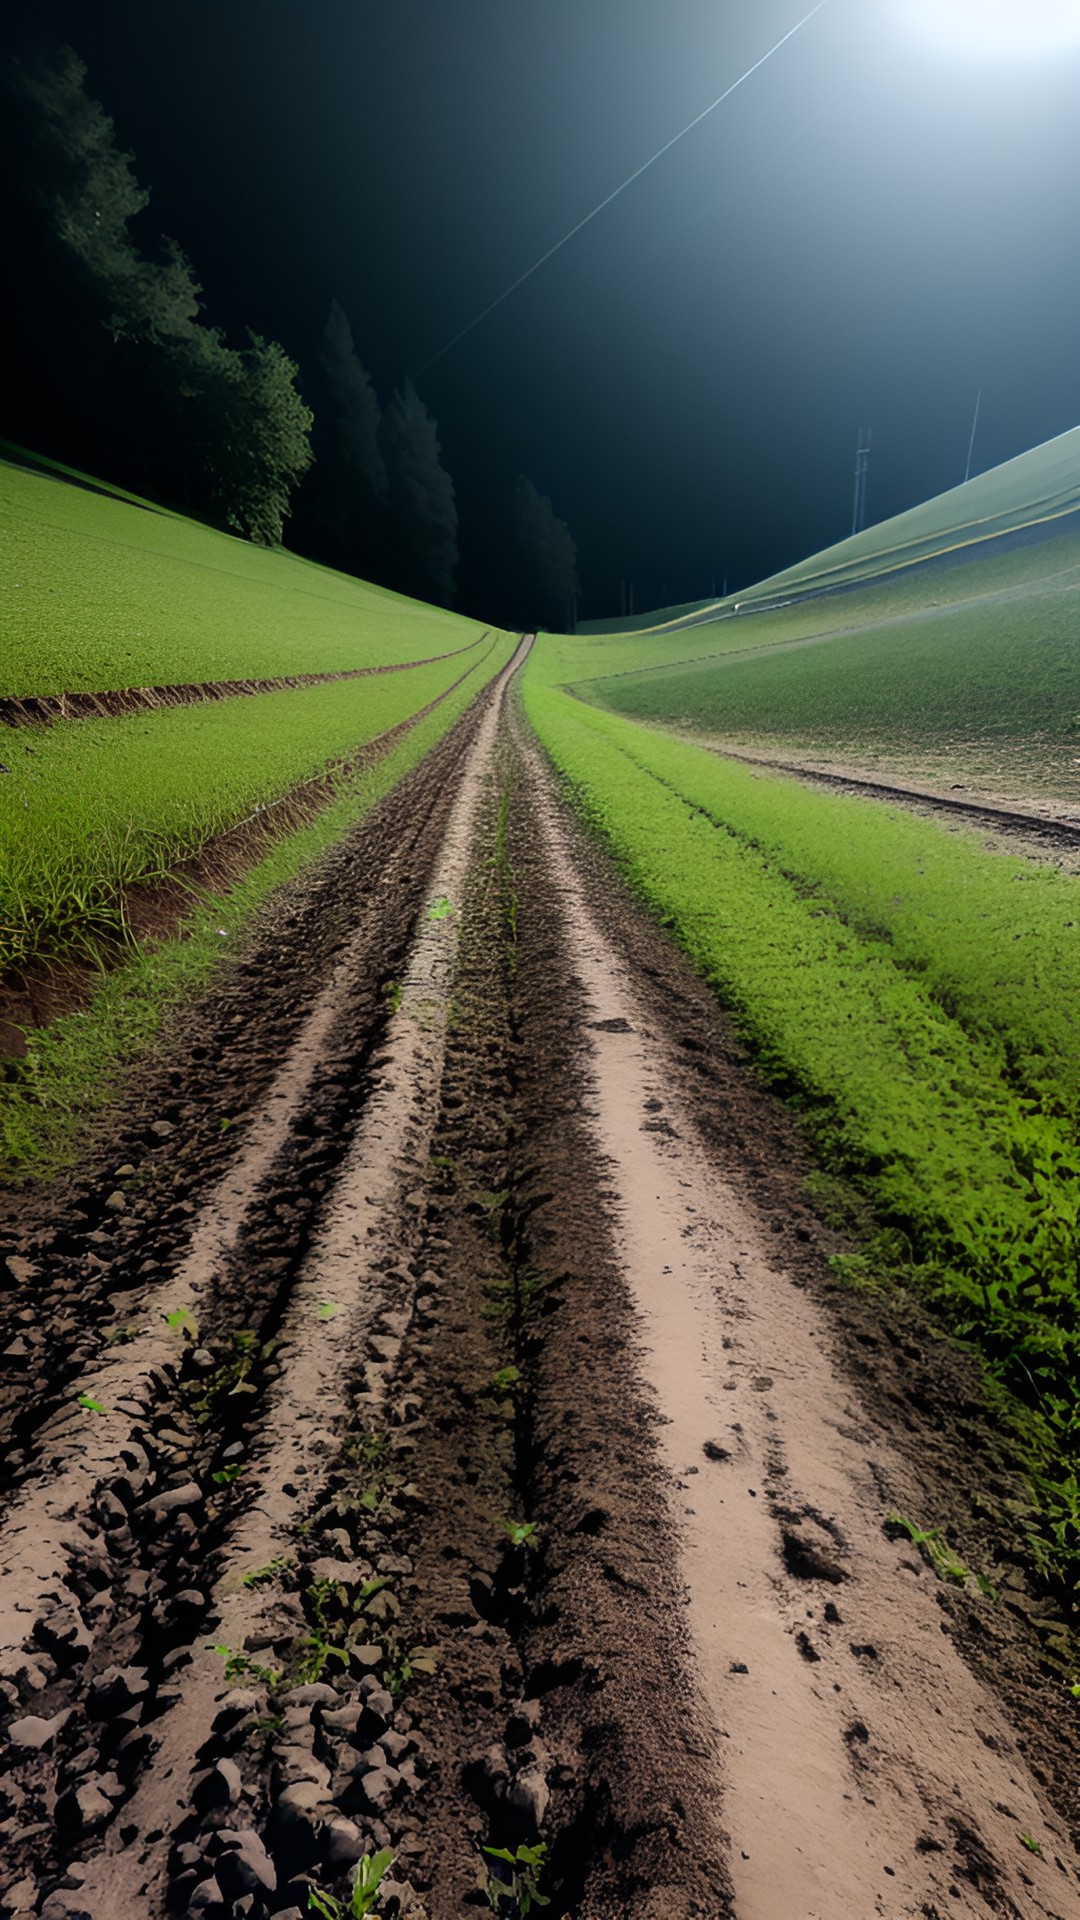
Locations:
(961, 669)
(100, 593)
(71, 1067)
(914, 995)
(992, 685)
(92, 807)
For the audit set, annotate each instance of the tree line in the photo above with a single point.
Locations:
(111, 357)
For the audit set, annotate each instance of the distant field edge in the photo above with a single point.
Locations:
(116, 702)
(979, 812)
(1033, 491)
(71, 1026)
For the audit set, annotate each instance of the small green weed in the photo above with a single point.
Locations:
(273, 1570)
(520, 1533)
(938, 1554)
(1031, 1844)
(364, 1898)
(404, 1664)
(521, 1893)
(239, 1666)
(227, 1476)
(441, 908)
(506, 1380)
(183, 1322)
(231, 1376)
(91, 1405)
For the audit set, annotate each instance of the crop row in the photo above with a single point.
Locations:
(856, 1015)
(100, 593)
(91, 807)
(993, 940)
(70, 1066)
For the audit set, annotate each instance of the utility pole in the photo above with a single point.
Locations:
(971, 442)
(862, 466)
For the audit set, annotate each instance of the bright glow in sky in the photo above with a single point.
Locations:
(998, 30)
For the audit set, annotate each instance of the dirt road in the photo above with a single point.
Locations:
(432, 1424)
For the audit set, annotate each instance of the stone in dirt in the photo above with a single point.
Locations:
(377, 1788)
(300, 1813)
(32, 1733)
(83, 1809)
(529, 1796)
(316, 1694)
(245, 1867)
(219, 1786)
(342, 1845)
(172, 1500)
(21, 1898)
(206, 1896)
(115, 1691)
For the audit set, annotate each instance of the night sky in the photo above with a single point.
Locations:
(869, 231)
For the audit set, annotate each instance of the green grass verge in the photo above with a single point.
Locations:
(73, 1067)
(91, 807)
(903, 1058)
(99, 593)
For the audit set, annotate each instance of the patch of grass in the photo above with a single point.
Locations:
(272, 1572)
(371, 1870)
(516, 1891)
(239, 1666)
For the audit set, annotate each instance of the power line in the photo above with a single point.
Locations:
(628, 182)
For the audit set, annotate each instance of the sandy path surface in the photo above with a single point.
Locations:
(861, 1768)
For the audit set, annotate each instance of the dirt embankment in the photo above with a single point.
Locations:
(478, 1395)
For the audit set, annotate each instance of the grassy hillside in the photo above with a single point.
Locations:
(100, 592)
(989, 686)
(1034, 491)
